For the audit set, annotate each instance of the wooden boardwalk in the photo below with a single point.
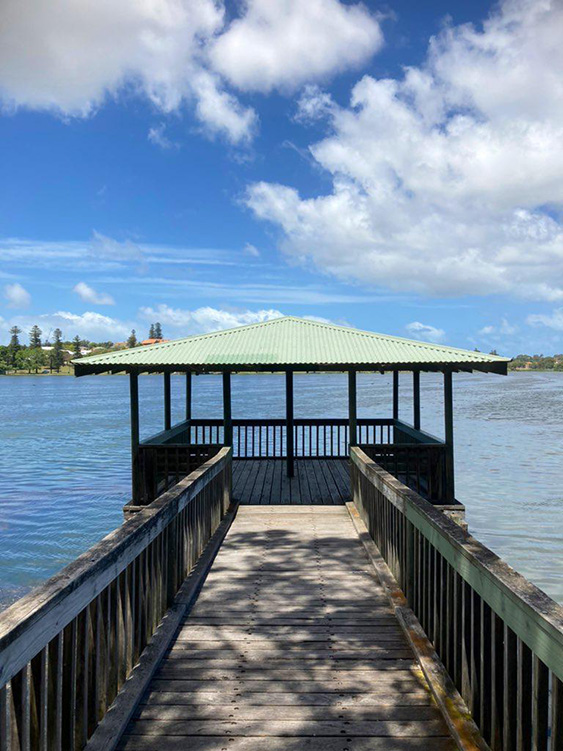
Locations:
(291, 645)
(316, 481)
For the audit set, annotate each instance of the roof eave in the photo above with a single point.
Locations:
(499, 367)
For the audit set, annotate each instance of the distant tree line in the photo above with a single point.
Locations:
(39, 355)
(537, 362)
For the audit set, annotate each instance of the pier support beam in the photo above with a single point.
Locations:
(188, 396)
(289, 423)
(352, 408)
(449, 436)
(227, 410)
(416, 399)
(395, 394)
(135, 469)
(167, 403)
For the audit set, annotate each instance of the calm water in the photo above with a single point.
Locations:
(64, 458)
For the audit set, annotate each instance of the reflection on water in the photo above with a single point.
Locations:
(64, 458)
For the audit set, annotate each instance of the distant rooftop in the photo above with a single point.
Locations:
(290, 343)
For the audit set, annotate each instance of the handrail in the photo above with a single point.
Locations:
(68, 646)
(499, 636)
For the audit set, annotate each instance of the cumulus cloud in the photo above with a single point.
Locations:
(89, 325)
(447, 181)
(205, 319)
(553, 321)
(286, 43)
(89, 295)
(504, 328)
(17, 296)
(424, 332)
(173, 53)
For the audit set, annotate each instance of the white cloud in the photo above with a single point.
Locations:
(205, 319)
(89, 295)
(89, 325)
(17, 296)
(72, 60)
(441, 179)
(286, 43)
(424, 332)
(157, 136)
(173, 52)
(553, 321)
(103, 246)
(505, 328)
(251, 250)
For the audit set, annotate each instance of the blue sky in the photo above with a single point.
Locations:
(396, 167)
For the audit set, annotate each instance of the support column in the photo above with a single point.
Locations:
(416, 399)
(449, 436)
(395, 394)
(167, 403)
(227, 418)
(289, 422)
(352, 408)
(135, 468)
(188, 396)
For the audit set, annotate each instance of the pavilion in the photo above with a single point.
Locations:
(289, 345)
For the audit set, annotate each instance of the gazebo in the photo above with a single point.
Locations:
(289, 345)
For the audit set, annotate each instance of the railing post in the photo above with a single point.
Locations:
(416, 399)
(167, 403)
(449, 436)
(395, 394)
(227, 418)
(352, 408)
(135, 468)
(289, 422)
(188, 396)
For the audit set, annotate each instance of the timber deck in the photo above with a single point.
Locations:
(290, 645)
(316, 481)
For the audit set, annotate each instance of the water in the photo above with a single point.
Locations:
(64, 457)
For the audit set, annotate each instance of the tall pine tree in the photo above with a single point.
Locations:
(151, 332)
(132, 340)
(14, 346)
(157, 331)
(76, 350)
(35, 337)
(57, 357)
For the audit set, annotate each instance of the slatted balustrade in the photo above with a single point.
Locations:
(324, 438)
(68, 647)
(499, 637)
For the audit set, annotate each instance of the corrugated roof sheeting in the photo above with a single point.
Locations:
(285, 342)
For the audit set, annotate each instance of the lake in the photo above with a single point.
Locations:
(64, 458)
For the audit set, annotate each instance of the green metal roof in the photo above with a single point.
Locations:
(289, 342)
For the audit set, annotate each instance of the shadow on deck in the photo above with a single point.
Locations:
(316, 482)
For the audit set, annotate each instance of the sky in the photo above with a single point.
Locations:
(396, 167)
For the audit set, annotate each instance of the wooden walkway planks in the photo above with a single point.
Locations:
(316, 481)
(291, 645)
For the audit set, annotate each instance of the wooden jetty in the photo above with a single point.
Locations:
(286, 584)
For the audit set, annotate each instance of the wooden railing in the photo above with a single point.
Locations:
(266, 438)
(499, 637)
(67, 648)
(419, 466)
(163, 465)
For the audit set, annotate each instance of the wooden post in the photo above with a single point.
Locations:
(352, 408)
(449, 434)
(167, 407)
(227, 418)
(416, 399)
(289, 421)
(395, 394)
(135, 469)
(188, 396)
